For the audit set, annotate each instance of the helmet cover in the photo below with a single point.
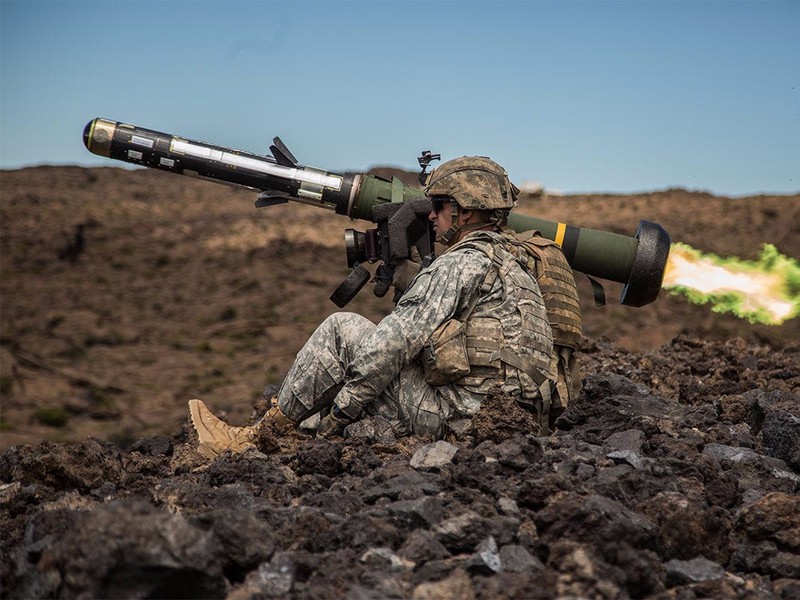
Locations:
(474, 182)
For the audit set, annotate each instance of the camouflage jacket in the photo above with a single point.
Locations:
(438, 293)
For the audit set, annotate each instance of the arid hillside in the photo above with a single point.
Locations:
(182, 289)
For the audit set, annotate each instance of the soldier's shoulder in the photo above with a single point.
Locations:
(458, 263)
(477, 253)
(480, 242)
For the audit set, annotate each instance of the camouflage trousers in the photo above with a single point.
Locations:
(409, 403)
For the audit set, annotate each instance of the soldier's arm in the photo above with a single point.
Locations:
(435, 295)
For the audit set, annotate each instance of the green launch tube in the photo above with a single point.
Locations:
(638, 262)
(600, 253)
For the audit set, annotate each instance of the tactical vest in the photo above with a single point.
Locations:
(557, 284)
(509, 341)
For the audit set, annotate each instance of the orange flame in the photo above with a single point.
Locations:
(763, 291)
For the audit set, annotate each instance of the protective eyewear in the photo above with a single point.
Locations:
(439, 202)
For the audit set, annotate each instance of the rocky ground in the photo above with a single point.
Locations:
(675, 475)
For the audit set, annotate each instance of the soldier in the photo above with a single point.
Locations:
(473, 320)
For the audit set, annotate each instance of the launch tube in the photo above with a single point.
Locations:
(638, 262)
(166, 152)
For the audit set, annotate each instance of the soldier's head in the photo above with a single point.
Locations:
(473, 191)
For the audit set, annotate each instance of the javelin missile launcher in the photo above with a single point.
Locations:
(400, 211)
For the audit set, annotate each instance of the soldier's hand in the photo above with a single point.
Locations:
(333, 423)
(406, 271)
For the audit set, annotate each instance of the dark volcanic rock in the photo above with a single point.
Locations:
(155, 446)
(121, 549)
(486, 558)
(501, 418)
(410, 484)
(770, 536)
(614, 404)
(318, 456)
(516, 559)
(781, 426)
(433, 456)
(80, 467)
(371, 429)
(667, 478)
(692, 571)
(420, 512)
(686, 528)
(461, 532)
(420, 546)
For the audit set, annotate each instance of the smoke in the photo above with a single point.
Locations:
(764, 291)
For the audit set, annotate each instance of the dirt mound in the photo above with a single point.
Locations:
(637, 494)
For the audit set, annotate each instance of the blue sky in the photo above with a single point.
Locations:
(582, 96)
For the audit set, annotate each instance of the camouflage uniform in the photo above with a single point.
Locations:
(377, 369)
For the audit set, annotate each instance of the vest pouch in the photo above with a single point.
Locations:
(444, 357)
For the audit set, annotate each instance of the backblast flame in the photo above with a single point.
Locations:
(765, 291)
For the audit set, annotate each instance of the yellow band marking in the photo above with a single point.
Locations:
(560, 231)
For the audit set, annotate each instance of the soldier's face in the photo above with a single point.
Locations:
(441, 216)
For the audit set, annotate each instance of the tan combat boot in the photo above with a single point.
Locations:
(216, 436)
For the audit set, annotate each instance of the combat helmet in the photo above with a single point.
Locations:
(474, 182)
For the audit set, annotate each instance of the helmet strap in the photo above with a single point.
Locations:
(448, 236)
(456, 231)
